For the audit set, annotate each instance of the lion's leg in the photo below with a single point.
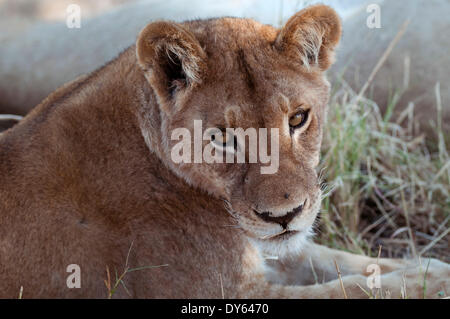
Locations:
(313, 275)
(332, 289)
(408, 283)
(316, 264)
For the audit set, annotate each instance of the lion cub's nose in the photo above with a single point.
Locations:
(282, 220)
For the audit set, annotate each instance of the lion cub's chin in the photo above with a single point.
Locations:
(283, 246)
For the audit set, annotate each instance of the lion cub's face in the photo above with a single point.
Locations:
(211, 76)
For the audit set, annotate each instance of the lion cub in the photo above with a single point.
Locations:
(88, 180)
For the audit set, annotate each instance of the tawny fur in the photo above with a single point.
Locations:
(87, 176)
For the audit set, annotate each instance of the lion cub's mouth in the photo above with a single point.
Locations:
(284, 234)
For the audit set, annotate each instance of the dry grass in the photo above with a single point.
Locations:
(385, 186)
(112, 285)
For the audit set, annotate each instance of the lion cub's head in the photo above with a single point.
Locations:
(213, 75)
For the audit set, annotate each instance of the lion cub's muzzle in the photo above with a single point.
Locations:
(283, 220)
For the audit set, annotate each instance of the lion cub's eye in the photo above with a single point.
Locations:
(224, 139)
(298, 119)
(220, 139)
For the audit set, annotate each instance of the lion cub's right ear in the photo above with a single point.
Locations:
(311, 36)
(171, 58)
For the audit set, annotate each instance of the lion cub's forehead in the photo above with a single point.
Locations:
(229, 32)
(229, 42)
(246, 71)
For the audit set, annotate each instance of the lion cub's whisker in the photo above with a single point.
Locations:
(274, 235)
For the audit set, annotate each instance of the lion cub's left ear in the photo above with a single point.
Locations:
(310, 36)
(171, 57)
